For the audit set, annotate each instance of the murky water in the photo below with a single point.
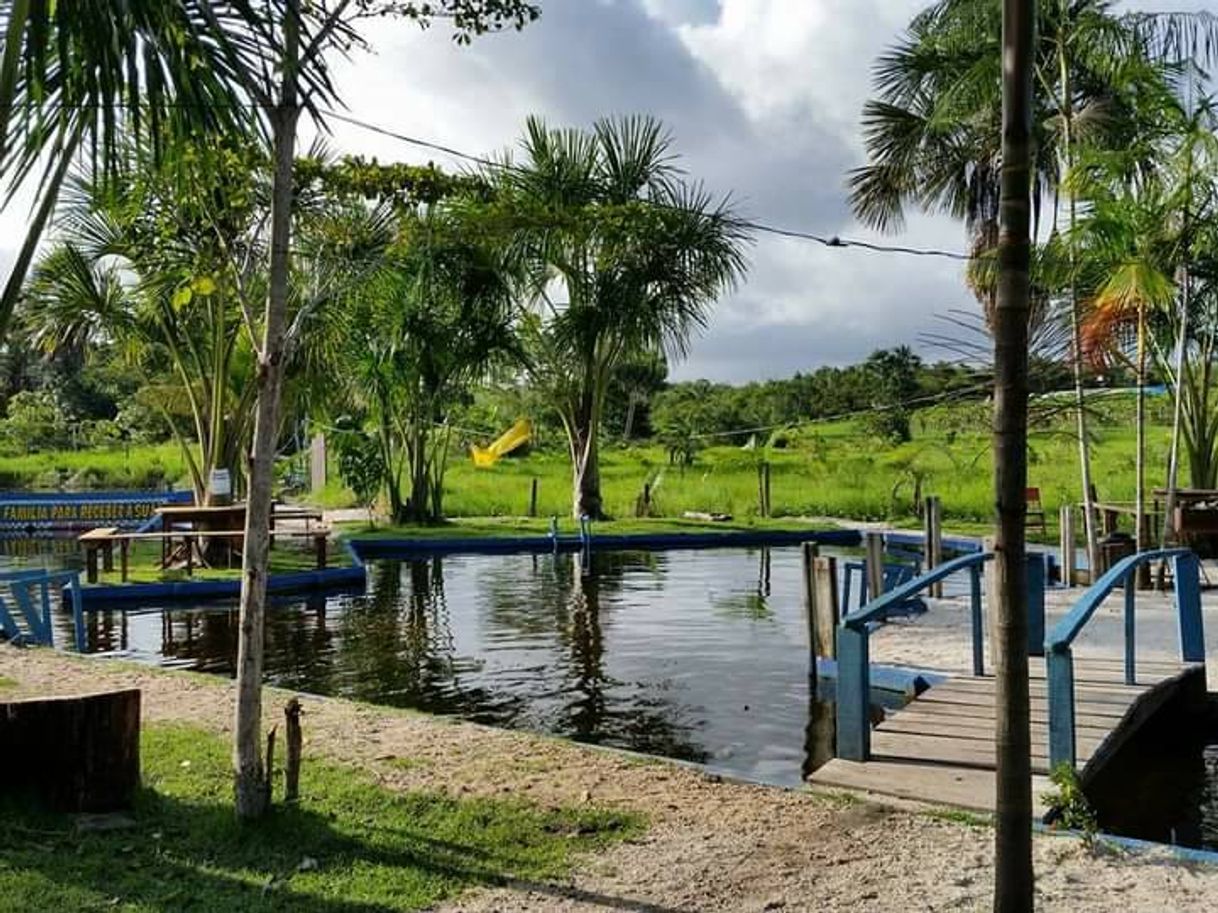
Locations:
(695, 655)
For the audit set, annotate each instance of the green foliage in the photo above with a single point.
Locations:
(349, 843)
(1068, 805)
(361, 464)
(35, 422)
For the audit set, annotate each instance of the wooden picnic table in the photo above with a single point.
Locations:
(103, 539)
(224, 517)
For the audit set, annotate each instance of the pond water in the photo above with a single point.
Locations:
(695, 655)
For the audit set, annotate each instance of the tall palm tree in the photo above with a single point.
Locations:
(604, 218)
(933, 132)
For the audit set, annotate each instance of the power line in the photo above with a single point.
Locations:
(824, 240)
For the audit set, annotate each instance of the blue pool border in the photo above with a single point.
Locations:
(95, 598)
(538, 544)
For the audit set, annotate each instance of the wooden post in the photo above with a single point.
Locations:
(108, 556)
(291, 769)
(1069, 560)
(763, 489)
(827, 612)
(809, 552)
(991, 599)
(769, 505)
(933, 541)
(91, 563)
(533, 498)
(124, 557)
(874, 543)
(317, 463)
(319, 546)
(1037, 573)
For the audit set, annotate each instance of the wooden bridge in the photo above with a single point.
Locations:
(940, 747)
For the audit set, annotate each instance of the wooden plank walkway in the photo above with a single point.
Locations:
(939, 748)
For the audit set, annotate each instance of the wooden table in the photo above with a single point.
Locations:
(224, 517)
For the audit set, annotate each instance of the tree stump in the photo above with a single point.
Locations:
(76, 754)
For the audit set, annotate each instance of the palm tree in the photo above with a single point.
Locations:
(933, 133)
(641, 255)
(83, 76)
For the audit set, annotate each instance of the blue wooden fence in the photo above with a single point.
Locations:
(1058, 645)
(853, 653)
(29, 618)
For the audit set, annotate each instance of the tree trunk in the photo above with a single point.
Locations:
(1173, 461)
(251, 781)
(1013, 886)
(586, 475)
(1139, 508)
(1077, 366)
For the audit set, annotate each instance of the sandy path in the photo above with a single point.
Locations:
(712, 846)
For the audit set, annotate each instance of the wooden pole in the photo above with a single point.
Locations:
(533, 498)
(769, 505)
(295, 740)
(1069, 560)
(933, 519)
(874, 544)
(809, 552)
(828, 613)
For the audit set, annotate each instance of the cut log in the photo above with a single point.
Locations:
(76, 754)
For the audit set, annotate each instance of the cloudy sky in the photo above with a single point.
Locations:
(763, 98)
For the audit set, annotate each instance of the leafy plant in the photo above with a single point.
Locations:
(1068, 805)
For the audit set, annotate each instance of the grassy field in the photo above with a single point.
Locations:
(146, 466)
(830, 469)
(348, 846)
(482, 527)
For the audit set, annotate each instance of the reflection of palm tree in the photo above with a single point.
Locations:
(571, 604)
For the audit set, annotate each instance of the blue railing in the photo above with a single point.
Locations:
(1186, 570)
(853, 656)
(38, 626)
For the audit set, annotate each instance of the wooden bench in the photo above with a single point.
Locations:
(94, 541)
(106, 537)
(1036, 510)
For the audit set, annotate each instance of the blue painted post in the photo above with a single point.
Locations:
(849, 573)
(853, 695)
(974, 581)
(1036, 577)
(78, 615)
(554, 532)
(1131, 600)
(1061, 708)
(1187, 571)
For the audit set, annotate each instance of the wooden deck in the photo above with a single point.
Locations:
(939, 748)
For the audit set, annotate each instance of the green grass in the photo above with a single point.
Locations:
(349, 846)
(144, 466)
(832, 469)
(481, 527)
(6, 682)
(144, 564)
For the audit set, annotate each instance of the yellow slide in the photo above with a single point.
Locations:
(516, 436)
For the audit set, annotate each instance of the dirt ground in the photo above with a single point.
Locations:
(711, 846)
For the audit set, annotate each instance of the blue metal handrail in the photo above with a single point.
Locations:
(1059, 657)
(853, 659)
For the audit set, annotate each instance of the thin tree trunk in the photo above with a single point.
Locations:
(1139, 508)
(1173, 460)
(251, 781)
(1013, 888)
(1077, 366)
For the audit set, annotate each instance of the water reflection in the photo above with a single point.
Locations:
(694, 655)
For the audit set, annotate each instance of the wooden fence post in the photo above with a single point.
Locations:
(828, 613)
(291, 768)
(763, 488)
(933, 542)
(1068, 554)
(809, 553)
(533, 498)
(874, 543)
